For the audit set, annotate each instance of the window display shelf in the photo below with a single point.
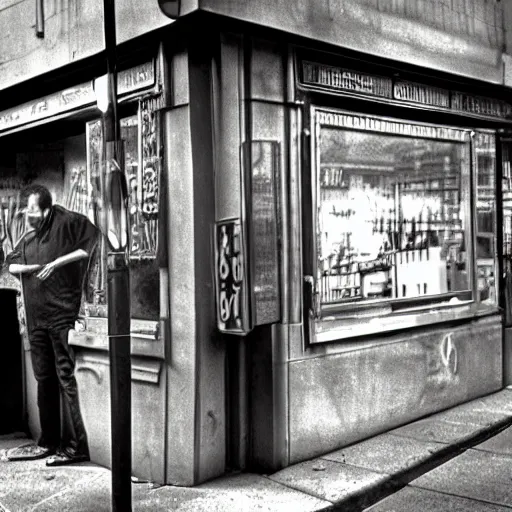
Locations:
(384, 319)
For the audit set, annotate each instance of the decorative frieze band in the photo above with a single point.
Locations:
(375, 124)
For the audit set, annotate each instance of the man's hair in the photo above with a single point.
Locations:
(44, 197)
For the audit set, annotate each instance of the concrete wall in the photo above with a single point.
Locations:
(339, 399)
(73, 31)
(317, 399)
(507, 57)
(148, 411)
(464, 38)
(270, 120)
(196, 426)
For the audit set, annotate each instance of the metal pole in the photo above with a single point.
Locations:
(118, 296)
(40, 18)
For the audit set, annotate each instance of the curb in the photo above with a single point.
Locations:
(370, 495)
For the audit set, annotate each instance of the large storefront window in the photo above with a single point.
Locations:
(394, 225)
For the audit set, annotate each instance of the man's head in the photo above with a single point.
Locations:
(39, 204)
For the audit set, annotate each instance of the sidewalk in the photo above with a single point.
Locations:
(349, 479)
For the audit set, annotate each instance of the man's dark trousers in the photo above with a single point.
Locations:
(54, 364)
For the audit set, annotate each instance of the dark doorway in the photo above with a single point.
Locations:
(11, 366)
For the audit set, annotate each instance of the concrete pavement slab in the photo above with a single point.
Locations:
(432, 429)
(474, 474)
(243, 492)
(500, 443)
(86, 490)
(387, 453)
(86, 495)
(330, 480)
(412, 499)
(94, 494)
(24, 485)
(353, 475)
(231, 494)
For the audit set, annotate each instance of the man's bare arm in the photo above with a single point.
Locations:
(18, 268)
(48, 269)
(79, 254)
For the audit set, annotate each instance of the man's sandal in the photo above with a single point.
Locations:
(30, 451)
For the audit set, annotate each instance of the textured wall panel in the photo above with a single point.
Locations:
(148, 412)
(73, 31)
(459, 37)
(339, 399)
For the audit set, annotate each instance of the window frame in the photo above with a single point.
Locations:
(338, 321)
(96, 158)
(496, 189)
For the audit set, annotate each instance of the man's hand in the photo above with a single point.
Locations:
(47, 270)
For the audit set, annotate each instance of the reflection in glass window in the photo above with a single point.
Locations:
(506, 250)
(391, 217)
(485, 159)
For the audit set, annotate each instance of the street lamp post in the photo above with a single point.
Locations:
(118, 279)
(118, 276)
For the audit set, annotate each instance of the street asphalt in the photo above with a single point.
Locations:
(456, 460)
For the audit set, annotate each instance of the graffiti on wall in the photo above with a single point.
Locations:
(12, 220)
(143, 167)
(77, 198)
(96, 284)
(230, 277)
(150, 176)
(442, 365)
(140, 134)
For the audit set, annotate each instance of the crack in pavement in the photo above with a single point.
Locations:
(63, 491)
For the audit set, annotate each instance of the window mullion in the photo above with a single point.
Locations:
(471, 214)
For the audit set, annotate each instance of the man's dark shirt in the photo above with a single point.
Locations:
(56, 300)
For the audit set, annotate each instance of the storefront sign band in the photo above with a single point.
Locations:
(360, 122)
(343, 79)
(337, 79)
(131, 80)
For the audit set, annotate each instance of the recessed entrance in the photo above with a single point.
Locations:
(11, 367)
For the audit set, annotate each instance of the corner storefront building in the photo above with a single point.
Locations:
(320, 219)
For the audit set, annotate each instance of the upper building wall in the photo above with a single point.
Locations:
(73, 31)
(465, 37)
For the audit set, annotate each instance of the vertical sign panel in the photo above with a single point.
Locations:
(263, 229)
(230, 275)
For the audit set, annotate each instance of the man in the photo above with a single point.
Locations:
(52, 260)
